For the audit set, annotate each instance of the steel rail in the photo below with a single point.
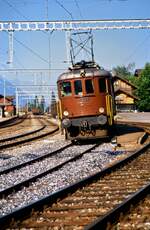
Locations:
(8, 145)
(24, 212)
(145, 126)
(113, 216)
(26, 183)
(11, 122)
(137, 124)
(21, 135)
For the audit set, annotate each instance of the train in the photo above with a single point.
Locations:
(37, 111)
(86, 105)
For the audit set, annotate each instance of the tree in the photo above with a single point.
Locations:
(36, 103)
(123, 71)
(42, 104)
(53, 105)
(143, 89)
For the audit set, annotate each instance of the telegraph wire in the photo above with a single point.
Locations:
(17, 59)
(77, 5)
(62, 6)
(21, 43)
(29, 69)
(49, 40)
(136, 49)
(31, 50)
(15, 9)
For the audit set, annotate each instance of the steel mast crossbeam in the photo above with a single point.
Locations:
(75, 25)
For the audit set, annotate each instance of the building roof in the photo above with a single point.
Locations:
(124, 80)
(6, 101)
(127, 93)
(8, 98)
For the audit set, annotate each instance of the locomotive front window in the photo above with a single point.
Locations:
(66, 88)
(78, 87)
(89, 86)
(102, 85)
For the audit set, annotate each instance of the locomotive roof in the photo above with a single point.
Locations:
(88, 70)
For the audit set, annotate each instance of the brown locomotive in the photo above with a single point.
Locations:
(86, 101)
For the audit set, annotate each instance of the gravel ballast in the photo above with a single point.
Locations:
(89, 164)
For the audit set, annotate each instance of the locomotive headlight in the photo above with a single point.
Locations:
(101, 109)
(102, 120)
(66, 113)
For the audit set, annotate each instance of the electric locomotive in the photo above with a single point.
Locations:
(86, 101)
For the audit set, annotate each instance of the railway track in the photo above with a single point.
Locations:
(137, 217)
(20, 125)
(57, 164)
(145, 126)
(133, 213)
(43, 172)
(25, 137)
(12, 121)
(39, 158)
(78, 205)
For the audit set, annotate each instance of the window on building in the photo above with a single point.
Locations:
(89, 86)
(102, 85)
(66, 88)
(78, 87)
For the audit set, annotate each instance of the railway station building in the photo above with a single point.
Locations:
(124, 95)
(7, 107)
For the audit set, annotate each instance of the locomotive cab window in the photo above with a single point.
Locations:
(102, 85)
(89, 86)
(78, 87)
(66, 88)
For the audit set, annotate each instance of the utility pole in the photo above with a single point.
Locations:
(17, 102)
(4, 95)
(10, 49)
(68, 35)
(27, 105)
(4, 90)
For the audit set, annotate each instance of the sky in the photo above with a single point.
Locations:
(48, 50)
